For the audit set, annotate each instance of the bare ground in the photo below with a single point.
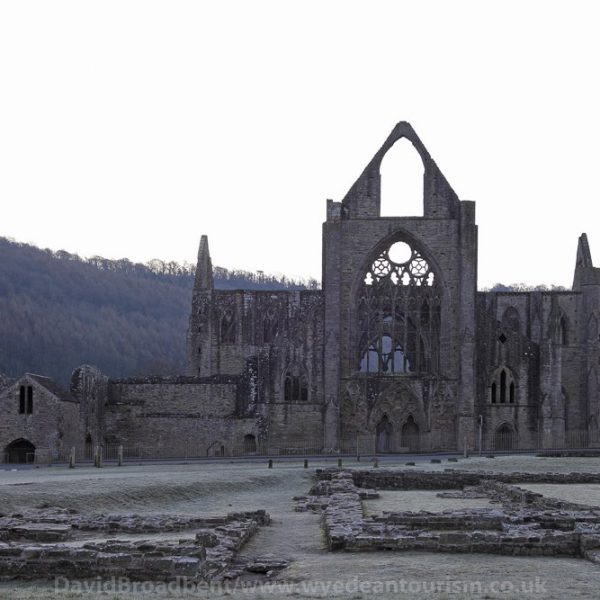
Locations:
(314, 572)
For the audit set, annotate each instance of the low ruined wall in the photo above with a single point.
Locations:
(520, 523)
(456, 479)
(187, 418)
(35, 545)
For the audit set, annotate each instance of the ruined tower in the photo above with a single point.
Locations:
(399, 314)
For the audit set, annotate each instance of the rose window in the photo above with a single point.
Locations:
(401, 265)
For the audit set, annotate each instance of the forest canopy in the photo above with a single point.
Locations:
(58, 311)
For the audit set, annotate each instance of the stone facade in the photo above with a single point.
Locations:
(37, 418)
(397, 352)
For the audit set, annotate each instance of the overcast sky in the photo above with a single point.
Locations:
(131, 128)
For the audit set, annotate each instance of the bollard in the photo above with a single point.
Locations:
(339, 463)
(72, 459)
(97, 456)
(120, 456)
(306, 463)
(270, 463)
(100, 457)
(358, 458)
(466, 450)
(375, 464)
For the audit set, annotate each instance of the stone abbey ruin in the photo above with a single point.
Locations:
(398, 351)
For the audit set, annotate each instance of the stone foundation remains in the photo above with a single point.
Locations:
(46, 543)
(524, 523)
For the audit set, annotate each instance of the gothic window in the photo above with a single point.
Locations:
(29, 399)
(270, 327)
(228, 327)
(401, 189)
(502, 388)
(384, 356)
(399, 314)
(25, 399)
(562, 330)
(401, 265)
(295, 388)
(559, 327)
(22, 400)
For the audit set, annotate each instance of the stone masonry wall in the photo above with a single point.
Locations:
(177, 416)
(53, 426)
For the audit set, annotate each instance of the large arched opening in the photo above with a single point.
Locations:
(505, 438)
(20, 451)
(401, 188)
(399, 312)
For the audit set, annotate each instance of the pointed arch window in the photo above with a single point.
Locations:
(228, 327)
(563, 330)
(399, 310)
(401, 175)
(502, 387)
(270, 328)
(384, 356)
(295, 386)
(25, 399)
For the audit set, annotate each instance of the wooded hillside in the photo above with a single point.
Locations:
(58, 311)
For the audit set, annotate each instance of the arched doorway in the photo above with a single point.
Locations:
(505, 438)
(384, 435)
(215, 449)
(20, 451)
(249, 444)
(89, 448)
(410, 435)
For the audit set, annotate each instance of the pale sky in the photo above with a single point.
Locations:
(131, 128)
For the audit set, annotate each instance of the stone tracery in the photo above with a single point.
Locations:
(399, 313)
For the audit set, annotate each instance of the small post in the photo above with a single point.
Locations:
(375, 463)
(339, 463)
(465, 449)
(97, 456)
(270, 463)
(120, 456)
(306, 463)
(480, 435)
(72, 458)
(100, 449)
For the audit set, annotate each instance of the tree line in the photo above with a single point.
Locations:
(59, 310)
